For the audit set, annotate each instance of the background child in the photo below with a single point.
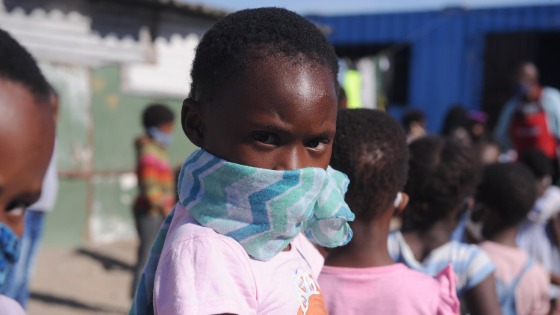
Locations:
(262, 108)
(361, 278)
(503, 199)
(414, 124)
(155, 178)
(26, 144)
(537, 234)
(442, 174)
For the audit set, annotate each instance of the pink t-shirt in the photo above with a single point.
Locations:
(531, 294)
(393, 289)
(202, 272)
(9, 306)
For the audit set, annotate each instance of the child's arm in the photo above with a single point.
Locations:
(554, 279)
(555, 225)
(482, 299)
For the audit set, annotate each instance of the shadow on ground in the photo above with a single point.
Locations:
(109, 263)
(52, 299)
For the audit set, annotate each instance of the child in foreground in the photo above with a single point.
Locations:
(503, 199)
(361, 278)
(442, 175)
(262, 108)
(26, 144)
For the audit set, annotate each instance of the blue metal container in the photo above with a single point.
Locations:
(447, 48)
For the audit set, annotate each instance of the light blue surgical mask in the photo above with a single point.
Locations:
(9, 250)
(163, 138)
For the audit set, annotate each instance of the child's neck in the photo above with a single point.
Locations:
(505, 236)
(423, 241)
(368, 247)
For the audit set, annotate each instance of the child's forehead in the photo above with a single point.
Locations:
(280, 83)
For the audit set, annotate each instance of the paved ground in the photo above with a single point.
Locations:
(89, 280)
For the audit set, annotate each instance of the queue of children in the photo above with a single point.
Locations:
(287, 206)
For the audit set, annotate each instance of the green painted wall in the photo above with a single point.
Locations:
(109, 150)
(117, 122)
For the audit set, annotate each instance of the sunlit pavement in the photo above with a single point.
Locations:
(89, 280)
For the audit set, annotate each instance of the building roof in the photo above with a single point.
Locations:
(195, 9)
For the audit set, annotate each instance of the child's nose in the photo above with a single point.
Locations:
(291, 159)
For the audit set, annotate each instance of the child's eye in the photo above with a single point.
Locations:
(265, 138)
(16, 208)
(317, 144)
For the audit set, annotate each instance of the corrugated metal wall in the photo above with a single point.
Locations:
(447, 60)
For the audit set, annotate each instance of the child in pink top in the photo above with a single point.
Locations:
(361, 278)
(503, 199)
(262, 109)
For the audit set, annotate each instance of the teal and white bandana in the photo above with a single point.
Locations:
(263, 210)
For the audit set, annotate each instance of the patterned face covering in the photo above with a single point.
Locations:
(9, 250)
(261, 209)
(264, 210)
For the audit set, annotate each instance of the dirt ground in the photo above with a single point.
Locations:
(89, 280)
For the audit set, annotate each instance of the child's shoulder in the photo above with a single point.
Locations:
(510, 261)
(186, 236)
(393, 283)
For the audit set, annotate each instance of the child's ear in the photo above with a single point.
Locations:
(191, 121)
(402, 204)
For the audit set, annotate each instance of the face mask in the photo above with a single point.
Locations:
(264, 210)
(159, 136)
(9, 250)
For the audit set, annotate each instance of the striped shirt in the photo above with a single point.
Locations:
(469, 262)
(155, 179)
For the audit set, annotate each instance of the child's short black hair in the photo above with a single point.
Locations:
(412, 116)
(537, 162)
(156, 115)
(246, 36)
(442, 173)
(507, 190)
(18, 66)
(370, 147)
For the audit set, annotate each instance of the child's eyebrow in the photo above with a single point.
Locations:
(329, 134)
(326, 135)
(269, 127)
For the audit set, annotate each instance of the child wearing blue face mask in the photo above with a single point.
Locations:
(26, 144)
(155, 178)
(262, 108)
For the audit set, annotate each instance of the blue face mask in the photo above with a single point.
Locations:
(9, 250)
(159, 136)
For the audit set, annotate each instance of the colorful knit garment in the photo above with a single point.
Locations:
(261, 209)
(155, 178)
